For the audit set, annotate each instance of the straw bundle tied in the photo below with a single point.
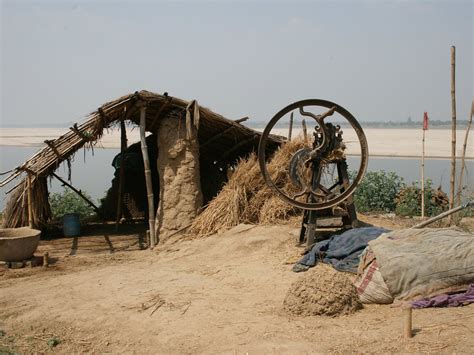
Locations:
(246, 198)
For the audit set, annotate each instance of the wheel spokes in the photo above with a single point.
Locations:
(316, 184)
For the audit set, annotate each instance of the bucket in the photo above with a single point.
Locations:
(71, 225)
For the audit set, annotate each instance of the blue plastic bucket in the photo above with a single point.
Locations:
(71, 225)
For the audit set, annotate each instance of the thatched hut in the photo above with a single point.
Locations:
(194, 146)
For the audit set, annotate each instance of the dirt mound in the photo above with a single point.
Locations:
(322, 291)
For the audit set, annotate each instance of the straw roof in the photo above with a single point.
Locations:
(220, 139)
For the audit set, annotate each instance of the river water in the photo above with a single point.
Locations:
(93, 172)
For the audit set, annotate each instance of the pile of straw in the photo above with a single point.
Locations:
(246, 198)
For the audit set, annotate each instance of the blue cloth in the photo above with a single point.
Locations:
(342, 251)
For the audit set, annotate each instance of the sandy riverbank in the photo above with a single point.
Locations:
(188, 296)
(382, 142)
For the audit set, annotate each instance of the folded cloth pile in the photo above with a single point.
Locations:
(342, 251)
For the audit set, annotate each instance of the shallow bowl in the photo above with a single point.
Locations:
(18, 244)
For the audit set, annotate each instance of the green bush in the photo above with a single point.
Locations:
(380, 191)
(377, 191)
(68, 201)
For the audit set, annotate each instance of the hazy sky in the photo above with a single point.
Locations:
(381, 60)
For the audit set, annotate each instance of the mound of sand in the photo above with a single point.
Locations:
(322, 291)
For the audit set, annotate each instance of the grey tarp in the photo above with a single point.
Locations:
(342, 251)
(418, 263)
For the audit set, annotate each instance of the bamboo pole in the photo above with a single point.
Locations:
(442, 215)
(290, 131)
(305, 131)
(30, 202)
(423, 175)
(149, 185)
(123, 148)
(463, 159)
(453, 130)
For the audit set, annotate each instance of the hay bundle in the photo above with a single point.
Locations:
(275, 210)
(322, 291)
(227, 208)
(246, 198)
(264, 206)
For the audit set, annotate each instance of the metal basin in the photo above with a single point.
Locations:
(18, 244)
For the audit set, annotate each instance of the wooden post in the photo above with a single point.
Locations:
(30, 202)
(463, 158)
(46, 259)
(305, 131)
(123, 148)
(423, 175)
(149, 185)
(290, 131)
(453, 130)
(407, 316)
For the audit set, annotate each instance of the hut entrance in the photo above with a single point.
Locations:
(134, 195)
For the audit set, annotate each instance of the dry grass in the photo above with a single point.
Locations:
(246, 198)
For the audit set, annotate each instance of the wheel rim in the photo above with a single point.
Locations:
(363, 154)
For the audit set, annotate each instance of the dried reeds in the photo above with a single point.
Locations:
(16, 211)
(246, 198)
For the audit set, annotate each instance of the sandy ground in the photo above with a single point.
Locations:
(221, 294)
(382, 142)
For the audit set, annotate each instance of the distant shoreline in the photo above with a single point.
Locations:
(433, 125)
(383, 142)
(375, 155)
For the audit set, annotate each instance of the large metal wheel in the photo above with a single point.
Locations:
(324, 152)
